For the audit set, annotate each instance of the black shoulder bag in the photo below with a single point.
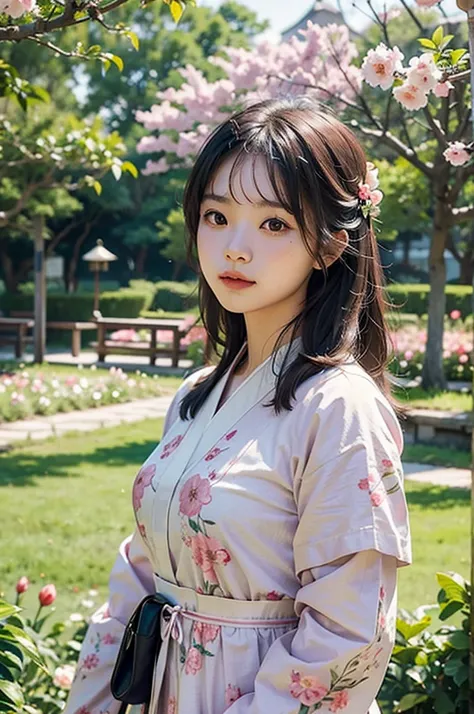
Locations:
(132, 677)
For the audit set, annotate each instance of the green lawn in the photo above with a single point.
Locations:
(437, 456)
(66, 505)
(420, 398)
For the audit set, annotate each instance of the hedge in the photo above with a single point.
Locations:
(79, 306)
(407, 297)
(175, 297)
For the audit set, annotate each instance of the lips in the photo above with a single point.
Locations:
(235, 276)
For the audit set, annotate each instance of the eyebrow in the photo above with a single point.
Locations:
(225, 199)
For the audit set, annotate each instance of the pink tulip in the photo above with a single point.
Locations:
(47, 595)
(22, 585)
(455, 314)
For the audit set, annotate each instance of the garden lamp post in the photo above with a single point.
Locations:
(98, 259)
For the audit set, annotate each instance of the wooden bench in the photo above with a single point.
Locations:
(14, 331)
(106, 346)
(74, 326)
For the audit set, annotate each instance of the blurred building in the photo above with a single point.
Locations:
(321, 13)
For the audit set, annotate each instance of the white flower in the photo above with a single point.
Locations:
(410, 96)
(380, 64)
(63, 676)
(76, 617)
(93, 367)
(84, 382)
(456, 153)
(115, 394)
(96, 396)
(93, 593)
(442, 89)
(77, 389)
(55, 383)
(423, 72)
(44, 401)
(87, 603)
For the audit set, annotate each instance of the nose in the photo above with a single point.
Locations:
(238, 248)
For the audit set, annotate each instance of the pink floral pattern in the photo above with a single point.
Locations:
(195, 494)
(308, 690)
(172, 705)
(375, 486)
(232, 693)
(90, 662)
(143, 479)
(202, 635)
(194, 661)
(171, 446)
(207, 553)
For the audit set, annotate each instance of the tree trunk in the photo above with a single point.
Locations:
(140, 261)
(177, 268)
(9, 275)
(433, 372)
(71, 280)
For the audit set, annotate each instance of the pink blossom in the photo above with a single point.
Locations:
(232, 693)
(212, 454)
(63, 676)
(423, 72)
(463, 359)
(456, 153)
(207, 552)
(377, 498)
(195, 494)
(442, 89)
(109, 639)
(171, 446)
(125, 336)
(364, 484)
(90, 662)
(194, 661)
(455, 314)
(410, 96)
(408, 354)
(143, 479)
(427, 3)
(308, 690)
(380, 64)
(204, 633)
(340, 701)
(16, 8)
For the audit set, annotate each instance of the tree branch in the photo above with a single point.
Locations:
(6, 216)
(435, 126)
(459, 215)
(40, 26)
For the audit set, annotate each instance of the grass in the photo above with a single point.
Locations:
(437, 456)
(66, 505)
(436, 399)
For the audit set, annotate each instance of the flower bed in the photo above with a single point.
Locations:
(24, 394)
(410, 346)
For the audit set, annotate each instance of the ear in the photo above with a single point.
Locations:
(341, 240)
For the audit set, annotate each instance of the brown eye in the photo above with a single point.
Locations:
(218, 219)
(275, 225)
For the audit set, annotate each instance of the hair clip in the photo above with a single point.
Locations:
(369, 195)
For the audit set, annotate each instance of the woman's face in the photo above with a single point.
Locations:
(257, 238)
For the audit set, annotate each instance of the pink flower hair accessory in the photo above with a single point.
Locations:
(369, 194)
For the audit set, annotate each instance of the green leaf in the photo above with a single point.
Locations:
(134, 39)
(131, 168)
(176, 10)
(117, 171)
(97, 186)
(406, 655)
(208, 522)
(447, 609)
(201, 649)
(6, 609)
(24, 642)
(118, 61)
(442, 703)
(12, 691)
(453, 586)
(194, 525)
(461, 675)
(456, 55)
(437, 35)
(428, 44)
(409, 630)
(459, 640)
(408, 701)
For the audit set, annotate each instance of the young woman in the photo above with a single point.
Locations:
(272, 513)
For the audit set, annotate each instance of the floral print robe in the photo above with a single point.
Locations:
(304, 510)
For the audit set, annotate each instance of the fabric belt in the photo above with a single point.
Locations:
(187, 604)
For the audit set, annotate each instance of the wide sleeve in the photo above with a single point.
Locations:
(131, 579)
(352, 535)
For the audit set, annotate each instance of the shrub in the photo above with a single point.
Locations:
(429, 672)
(79, 306)
(414, 298)
(175, 297)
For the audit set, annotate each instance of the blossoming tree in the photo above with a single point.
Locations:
(323, 61)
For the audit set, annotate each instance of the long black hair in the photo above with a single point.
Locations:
(315, 164)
